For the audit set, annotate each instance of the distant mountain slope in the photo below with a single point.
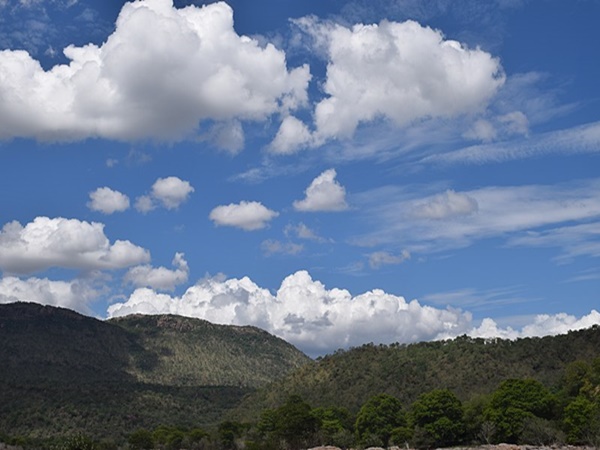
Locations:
(466, 366)
(62, 371)
(180, 351)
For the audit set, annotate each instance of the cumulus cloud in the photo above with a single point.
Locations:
(378, 259)
(171, 191)
(303, 312)
(293, 135)
(74, 295)
(319, 320)
(248, 216)
(107, 201)
(59, 242)
(402, 72)
(144, 204)
(448, 204)
(168, 192)
(323, 194)
(542, 325)
(158, 75)
(159, 278)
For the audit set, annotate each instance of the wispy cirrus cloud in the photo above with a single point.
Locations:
(502, 211)
(580, 139)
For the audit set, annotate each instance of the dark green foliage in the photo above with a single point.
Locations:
(141, 440)
(78, 442)
(515, 402)
(439, 417)
(466, 366)
(294, 423)
(64, 373)
(378, 418)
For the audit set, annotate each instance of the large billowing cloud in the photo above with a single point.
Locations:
(325, 193)
(402, 72)
(158, 75)
(319, 320)
(159, 278)
(248, 216)
(59, 242)
(542, 325)
(303, 312)
(74, 295)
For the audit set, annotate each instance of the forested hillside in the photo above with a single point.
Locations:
(63, 372)
(466, 366)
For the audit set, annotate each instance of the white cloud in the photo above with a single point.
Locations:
(398, 71)
(74, 295)
(107, 201)
(573, 240)
(159, 278)
(171, 191)
(144, 204)
(448, 204)
(319, 320)
(67, 243)
(577, 140)
(502, 126)
(158, 75)
(515, 122)
(378, 259)
(293, 135)
(228, 136)
(248, 216)
(302, 231)
(502, 211)
(542, 325)
(272, 247)
(304, 312)
(482, 130)
(323, 194)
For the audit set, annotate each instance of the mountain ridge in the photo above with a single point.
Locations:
(64, 370)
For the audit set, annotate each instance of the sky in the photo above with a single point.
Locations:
(335, 172)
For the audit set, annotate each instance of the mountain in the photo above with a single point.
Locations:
(65, 372)
(469, 367)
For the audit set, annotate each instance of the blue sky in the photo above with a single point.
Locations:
(335, 172)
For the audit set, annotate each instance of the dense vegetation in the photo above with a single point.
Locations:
(64, 373)
(466, 366)
(166, 382)
(519, 411)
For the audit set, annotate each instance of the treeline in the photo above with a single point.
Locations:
(519, 411)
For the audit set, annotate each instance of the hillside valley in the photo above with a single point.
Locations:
(64, 373)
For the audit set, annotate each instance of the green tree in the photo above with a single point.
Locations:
(229, 431)
(141, 440)
(377, 418)
(335, 425)
(581, 420)
(439, 414)
(513, 403)
(294, 422)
